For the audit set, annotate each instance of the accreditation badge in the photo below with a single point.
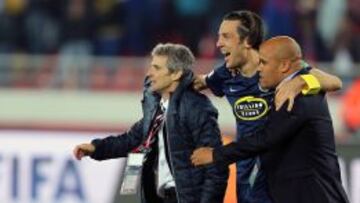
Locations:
(132, 174)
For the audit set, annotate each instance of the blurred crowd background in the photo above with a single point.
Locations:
(102, 45)
(327, 29)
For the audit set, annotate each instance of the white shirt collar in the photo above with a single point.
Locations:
(289, 77)
(164, 103)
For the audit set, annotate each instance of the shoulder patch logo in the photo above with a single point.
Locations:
(250, 108)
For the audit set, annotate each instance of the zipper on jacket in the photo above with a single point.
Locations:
(167, 150)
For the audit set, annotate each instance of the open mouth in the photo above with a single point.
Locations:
(226, 55)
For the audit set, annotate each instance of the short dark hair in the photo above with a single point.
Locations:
(252, 26)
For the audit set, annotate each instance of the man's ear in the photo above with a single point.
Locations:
(285, 66)
(176, 75)
(247, 43)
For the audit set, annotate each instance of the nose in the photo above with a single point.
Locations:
(148, 72)
(219, 43)
(259, 67)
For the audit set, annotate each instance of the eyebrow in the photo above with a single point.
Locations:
(155, 66)
(223, 33)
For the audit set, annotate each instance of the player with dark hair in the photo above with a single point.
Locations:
(297, 148)
(239, 37)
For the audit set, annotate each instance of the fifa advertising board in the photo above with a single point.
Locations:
(38, 167)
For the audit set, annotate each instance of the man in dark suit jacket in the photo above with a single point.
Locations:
(298, 147)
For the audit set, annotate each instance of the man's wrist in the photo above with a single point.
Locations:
(92, 149)
(216, 155)
(312, 85)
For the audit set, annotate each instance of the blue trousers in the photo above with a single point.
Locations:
(251, 191)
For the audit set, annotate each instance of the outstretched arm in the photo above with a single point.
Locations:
(273, 135)
(112, 146)
(288, 90)
(213, 80)
(328, 82)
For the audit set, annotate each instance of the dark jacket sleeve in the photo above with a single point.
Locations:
(281, 126)
(206, 132)
(120, 145)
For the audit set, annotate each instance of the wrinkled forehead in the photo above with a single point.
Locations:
(158, 60)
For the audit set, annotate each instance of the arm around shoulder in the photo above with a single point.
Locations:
(328, 82)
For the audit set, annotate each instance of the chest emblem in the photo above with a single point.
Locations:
(250, 108)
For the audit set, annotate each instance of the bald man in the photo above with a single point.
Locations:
(297, 148)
